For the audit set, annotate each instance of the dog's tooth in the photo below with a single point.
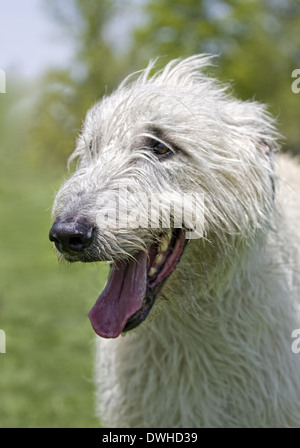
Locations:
(159, 258)
(152, 272)
(163, 246)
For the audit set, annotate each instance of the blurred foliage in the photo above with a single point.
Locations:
(46, 372)
(257, 42)
(69, 93)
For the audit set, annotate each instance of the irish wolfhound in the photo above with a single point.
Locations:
(207, 306)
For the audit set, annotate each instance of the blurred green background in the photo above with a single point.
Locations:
(46, 374)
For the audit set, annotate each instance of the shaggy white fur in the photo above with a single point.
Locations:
(215, 350)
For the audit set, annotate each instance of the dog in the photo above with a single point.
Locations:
(178, 188)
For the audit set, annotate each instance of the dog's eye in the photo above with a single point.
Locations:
(161, 150)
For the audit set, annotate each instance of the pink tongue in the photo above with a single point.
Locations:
(122, 297)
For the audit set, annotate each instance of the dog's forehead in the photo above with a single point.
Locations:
(131, 103)
(174, 95)
(135, 110)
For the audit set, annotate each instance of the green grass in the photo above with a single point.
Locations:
(46, 374)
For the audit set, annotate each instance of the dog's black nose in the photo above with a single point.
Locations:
(73, 236)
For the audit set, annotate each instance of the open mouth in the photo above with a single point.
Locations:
(133, 285)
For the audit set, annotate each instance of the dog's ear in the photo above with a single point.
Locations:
(265, 147)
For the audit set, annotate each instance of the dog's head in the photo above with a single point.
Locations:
(163, 160)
